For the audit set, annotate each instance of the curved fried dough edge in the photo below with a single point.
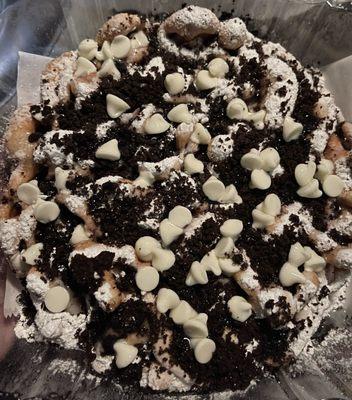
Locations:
(56, 78)
(20, 150)
(118, 24)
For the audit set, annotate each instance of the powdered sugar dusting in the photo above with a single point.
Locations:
(36, 285)
(103, 294)
(102, 364)
(60, 328)
(273, 102)
(343, 171)
(319, 140)
(49, 151)
(12, 230)
(126, 252)
(103, 128)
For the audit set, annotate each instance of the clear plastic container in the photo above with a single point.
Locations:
(316, 32)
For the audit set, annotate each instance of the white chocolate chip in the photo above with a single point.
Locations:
(252, 160)
(230, 196)
(204, 350)
(180, 114)
(145, 247)
(156, 124)
(192, 165)
(28, 192)
(197, 274)
(290, 275)
(239, 308)
(167, 300)
(218, 67)
(271, 205)
(46, 211)
(311, 190)
(38, 116)
(297, 255)
(202, 317)
(79, 235)
(109, 151)
(261, 220)
(109, 68)
(270, 158)
(231, 228)
(204, 80)
(84, 67)
(88, 49)
(125, 354)
(174, 83)
(228, 267)
(213, 188)
(163, 259)
(115, 106)
(200, 134)
(139, 39)
(147, 278)
(211, 263)
(180, 216)
(169, 232)
(144, 180)
(31, 255)
(193, 342)
(195, 328)
(325, 168)
(105, 52)
(257, 118)
(260, 179)
(304, 173)
(182, 313)
(61, 176)
(291, 129)
(333, 186)
(120, 46)
(264, 214)
(237, 109)
(224, 247)
(315, 262)
(57, 299)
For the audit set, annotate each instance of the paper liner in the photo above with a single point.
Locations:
(30, 67)
(339, 81)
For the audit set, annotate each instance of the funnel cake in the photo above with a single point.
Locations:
(179, 203)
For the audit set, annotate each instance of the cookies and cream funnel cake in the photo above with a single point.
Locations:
(179, 203)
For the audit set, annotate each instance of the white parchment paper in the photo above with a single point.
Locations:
(338, 76)
(339, 81)
(30, 67)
